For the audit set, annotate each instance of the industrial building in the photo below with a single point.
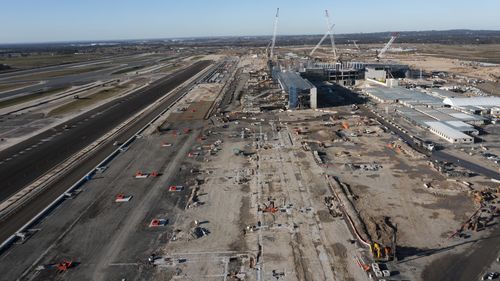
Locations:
(344, 74)
(382, 71)
(301, 92)
(430, 112)
(475, 105)
(449, 133)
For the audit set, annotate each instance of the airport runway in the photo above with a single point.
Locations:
(26, 161)
(61, 146)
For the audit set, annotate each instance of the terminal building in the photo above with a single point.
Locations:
(301, 93)
(344, 74)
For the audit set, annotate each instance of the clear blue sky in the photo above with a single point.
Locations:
(70, 20)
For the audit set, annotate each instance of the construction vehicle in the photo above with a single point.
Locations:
(270, 208)
(380, 252)
(176, 188)
(158, 222)
(61, 267)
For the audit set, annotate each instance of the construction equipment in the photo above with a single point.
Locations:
(141, 175)
(329, 32)
(61, 267)
(122, 198)
(270, 208)
(158, 222)
(382, 52)
(176, 188)
(273, 42)
(355, 44)
(381, 253)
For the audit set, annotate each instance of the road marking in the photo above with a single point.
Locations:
(8, 159)
(28, 148)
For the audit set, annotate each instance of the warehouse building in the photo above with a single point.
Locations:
(449, 133)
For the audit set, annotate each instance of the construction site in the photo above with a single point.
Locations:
(325, 162)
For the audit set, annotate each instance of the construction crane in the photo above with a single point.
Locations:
(329, 32)
(355, 44)
(273, 41)
(320, 42)
(382, 52)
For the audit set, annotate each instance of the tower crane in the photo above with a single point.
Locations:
(382, 52)
(273, 41)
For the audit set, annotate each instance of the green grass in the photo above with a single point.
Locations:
(88, 100)
(31, 97)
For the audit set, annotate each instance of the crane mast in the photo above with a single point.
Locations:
(330, 31)
(275, 30)
(382, 52)
(320, 42)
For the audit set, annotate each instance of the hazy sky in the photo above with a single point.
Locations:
(70, 20)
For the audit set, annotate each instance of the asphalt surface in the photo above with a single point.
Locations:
(34, 157)
(469, 265)
(111, 65)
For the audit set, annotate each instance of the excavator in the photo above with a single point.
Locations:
(379, 252)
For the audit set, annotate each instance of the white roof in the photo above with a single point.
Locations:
(446, 130)
(474, 101)
(463, 116)
(459, 125)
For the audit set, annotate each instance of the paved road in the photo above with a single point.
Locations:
(26, 161)
(67, 142)
(469, 265)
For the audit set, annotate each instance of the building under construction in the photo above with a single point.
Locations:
(301, 93)
(344, 74)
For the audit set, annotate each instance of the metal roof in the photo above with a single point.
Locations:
(293, 79)
(446, 130)
(474, 101)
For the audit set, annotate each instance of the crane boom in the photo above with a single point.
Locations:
(275, 30)
(320, 42)
(330, 31)
(382, 52)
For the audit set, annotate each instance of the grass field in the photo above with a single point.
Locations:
(58, 73)
(12, 86)
(30, 97)
(46, 60)
(89, 100)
